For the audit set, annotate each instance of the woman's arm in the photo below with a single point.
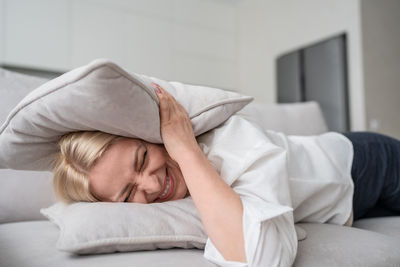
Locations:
(220, 208)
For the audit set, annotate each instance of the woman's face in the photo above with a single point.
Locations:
(132, 170)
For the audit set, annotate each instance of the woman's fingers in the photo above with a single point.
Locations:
(168, 103)
(165, 112)
(175, 125)
(163, 93)
(170, 109)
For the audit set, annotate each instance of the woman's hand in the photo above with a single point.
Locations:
(220, 207)
(176, 127)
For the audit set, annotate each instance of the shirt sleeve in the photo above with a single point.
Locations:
(269, 236)
(268, 226)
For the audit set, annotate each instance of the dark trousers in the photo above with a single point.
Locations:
(376, 175)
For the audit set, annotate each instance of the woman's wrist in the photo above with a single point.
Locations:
(189, 153)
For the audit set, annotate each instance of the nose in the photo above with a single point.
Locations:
(148, 188)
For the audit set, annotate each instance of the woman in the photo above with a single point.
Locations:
(249, 186)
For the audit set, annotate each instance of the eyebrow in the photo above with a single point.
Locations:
(135, 166)
(136, 155)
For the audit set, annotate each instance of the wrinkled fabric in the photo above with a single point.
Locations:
(280, 180)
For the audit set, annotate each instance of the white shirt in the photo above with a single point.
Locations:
(281, 180)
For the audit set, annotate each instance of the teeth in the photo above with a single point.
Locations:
(166, 188)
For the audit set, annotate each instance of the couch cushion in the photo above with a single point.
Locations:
(13, 88)
(303, 118)
(333, 245)
(33, 244)
(384, 225)
(22, 193)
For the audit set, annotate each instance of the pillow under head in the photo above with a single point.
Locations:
(103, 227)
(101, 96)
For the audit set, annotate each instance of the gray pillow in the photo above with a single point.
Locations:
(102, 96)
(104, 227)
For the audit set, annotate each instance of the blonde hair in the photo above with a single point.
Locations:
(79, 151)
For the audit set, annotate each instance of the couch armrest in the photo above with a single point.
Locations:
(304, 118)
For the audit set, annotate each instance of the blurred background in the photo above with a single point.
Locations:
(345, 54)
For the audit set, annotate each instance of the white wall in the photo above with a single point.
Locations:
(269, 28)
(381, 39)
(35, 34)
(221, 43)
(191, 41)
(1, 30)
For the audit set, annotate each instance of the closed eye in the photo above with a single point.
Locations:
(144, 160)
(141, 169)
(130, 192)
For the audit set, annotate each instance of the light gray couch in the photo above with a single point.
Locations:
(28, 239)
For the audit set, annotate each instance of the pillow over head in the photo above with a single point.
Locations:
(102, 96)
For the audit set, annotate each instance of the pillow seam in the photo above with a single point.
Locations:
(133, 240)
(239, 99)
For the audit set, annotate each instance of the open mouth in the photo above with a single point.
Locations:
(168, 187)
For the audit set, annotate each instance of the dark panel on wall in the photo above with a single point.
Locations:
(289, 78)
(323, 78)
